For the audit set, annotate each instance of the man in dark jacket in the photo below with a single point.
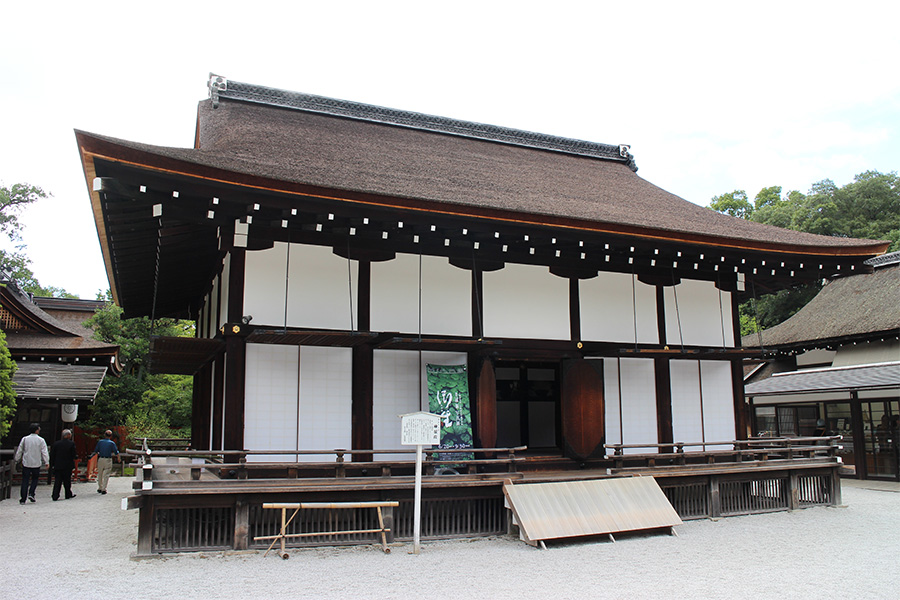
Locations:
(62, 461)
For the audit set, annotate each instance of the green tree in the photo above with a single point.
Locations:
(143, 401)
(7, 392)
(868, 208)
(733, 203)
(13, 200)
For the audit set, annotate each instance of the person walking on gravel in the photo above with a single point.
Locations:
(105, 451)
(62, 461)
(32, 451)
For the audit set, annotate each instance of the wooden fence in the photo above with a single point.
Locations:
(198, 500)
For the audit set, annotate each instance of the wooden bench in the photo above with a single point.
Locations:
(297, 506)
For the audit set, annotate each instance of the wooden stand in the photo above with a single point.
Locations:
(296, 506)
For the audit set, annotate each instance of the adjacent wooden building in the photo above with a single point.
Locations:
(328, 250)
(834, 369)
(60, 365)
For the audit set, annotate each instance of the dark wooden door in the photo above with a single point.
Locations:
(583, 409)
(486, 405)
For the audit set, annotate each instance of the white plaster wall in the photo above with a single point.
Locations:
(446, 296)
(400, 387)
(224, 283)
(630, 387)
(212, 411)
(526, 301)
(264, 285)
(610, 305)
(320, 287)
(270, 401)
(704, 313)
(867, 354)
(718, 401)
(325, 420)
(211, 310)
(396, 392)
(687, 420)
(611, 400)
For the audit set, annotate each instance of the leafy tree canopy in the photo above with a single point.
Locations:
(868, 208)
(12, 200)
(7, 393)
(151, 405)
(15, 263)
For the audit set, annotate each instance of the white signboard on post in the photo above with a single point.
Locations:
(419, 429)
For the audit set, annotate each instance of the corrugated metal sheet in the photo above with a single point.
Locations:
(596, 507)
(865, 377)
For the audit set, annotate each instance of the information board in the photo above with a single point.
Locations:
(420, 428)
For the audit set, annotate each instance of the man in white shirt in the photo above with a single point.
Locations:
(32, 451)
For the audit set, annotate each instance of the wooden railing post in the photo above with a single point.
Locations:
(145, 527)
(241, 524)
(340, 470)
(388, 517)
(715, 501)
(793, 482)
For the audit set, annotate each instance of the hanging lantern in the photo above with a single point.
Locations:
(69, 412)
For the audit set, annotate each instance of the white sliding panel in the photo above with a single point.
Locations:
(270, 401)
(401, 386)
(687, 416)
(700, 317)
(446, 296)
(718, 401)
(325, 417)
(526, 301)
(612, 303)
(611, 400)
(322, 287)
(397, 389)
(634, 391)
(264, 284)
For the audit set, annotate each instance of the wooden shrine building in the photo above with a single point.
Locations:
(60, 365)
(328, 250)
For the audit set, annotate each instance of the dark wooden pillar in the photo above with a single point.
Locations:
(663, 372)
(574, 310)
(477, 304)
(583, 412)
(363, 295)
(235, 365)
(201, 405)
(485, 402)
(362, 400)
(218, 401)
(661, 314)
(235, 355)
(664, 432)
(741, 408)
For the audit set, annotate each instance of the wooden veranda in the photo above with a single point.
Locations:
(200, 500)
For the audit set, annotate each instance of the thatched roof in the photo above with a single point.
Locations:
(859, 306)
(291, 162)
(256, 133)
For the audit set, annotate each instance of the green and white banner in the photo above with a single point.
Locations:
(448, 396)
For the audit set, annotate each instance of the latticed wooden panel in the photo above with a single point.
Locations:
(690, 500)
(814, 489)
(185, 529)
(268, 522)
(452, 517)
(9, 321)
(753, 496)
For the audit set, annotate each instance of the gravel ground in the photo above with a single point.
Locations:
(83, 547)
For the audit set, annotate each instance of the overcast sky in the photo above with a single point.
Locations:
(711, 97)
